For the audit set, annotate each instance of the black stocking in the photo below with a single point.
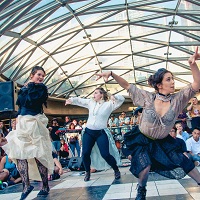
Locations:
(44, 175)
(143, 176)
(22, 166)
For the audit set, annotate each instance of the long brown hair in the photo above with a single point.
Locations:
(102, 91)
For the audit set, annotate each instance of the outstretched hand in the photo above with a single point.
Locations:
(105, 76)
(3, 141)
(194, 57)
(67, 102)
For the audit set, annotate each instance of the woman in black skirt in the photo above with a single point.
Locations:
(152, 147)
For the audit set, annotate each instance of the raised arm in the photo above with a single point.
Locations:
(122, 82)
(195, 70)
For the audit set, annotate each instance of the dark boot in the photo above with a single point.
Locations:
(141, 193)
(117, 174)
(87, 176)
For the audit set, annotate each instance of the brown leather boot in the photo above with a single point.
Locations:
(87, 176)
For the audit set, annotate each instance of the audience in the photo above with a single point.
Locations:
(54, 136)
(12, 175)
(73, 139)
(182, 118)
(67, 122)
(194, 111)
(64, 150)
(193, 146)
(58, 170)
(180, 142)
(113, 122)
(180, 133)
(3, 129)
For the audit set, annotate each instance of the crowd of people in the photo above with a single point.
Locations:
(161, 140)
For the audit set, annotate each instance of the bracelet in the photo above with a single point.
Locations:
(111, 74)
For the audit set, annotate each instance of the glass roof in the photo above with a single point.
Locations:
(75, 39)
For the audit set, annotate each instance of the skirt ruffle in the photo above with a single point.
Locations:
(164, 156)
(31, 140)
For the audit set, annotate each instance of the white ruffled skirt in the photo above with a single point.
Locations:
(31, 140)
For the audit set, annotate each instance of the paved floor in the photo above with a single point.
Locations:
(103, 187)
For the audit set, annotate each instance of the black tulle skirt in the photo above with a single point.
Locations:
(164, 155)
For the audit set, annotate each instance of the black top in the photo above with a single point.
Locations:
(182, 144)
(54, 136)
(31, 98)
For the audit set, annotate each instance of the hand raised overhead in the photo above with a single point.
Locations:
(194, 57)
(105, 75)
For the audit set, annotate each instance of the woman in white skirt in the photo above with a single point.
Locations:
(29, 146)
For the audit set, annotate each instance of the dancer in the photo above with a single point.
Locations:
(29, 145)
(100, 108)
(153, 148)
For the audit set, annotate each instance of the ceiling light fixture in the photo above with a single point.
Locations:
(87, 36)
(173, 22)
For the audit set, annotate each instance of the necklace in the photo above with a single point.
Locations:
(95, 113)
(163, 97)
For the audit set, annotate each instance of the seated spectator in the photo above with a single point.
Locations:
(64, 150)
(180, 142)
(3, 129)
(193, 146)
(8, 166)
(180, 133)
(58, 170)
(194, 110)
(4, 174)
(3, 133)
(182, 118)
(13, 125)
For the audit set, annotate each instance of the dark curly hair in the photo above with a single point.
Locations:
(157, 78)
(102, 91)
(35, 69)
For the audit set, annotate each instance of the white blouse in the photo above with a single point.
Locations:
(99, 112)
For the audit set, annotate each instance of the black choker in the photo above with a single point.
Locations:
(163, 97)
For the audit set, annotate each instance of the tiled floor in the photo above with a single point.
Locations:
(103, 187)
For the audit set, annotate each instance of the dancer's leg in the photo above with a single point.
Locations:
(103, 145)
(44, 175)
(143, 176)
(142, 182)
(87, 144)
(22, 166)
(194, 174)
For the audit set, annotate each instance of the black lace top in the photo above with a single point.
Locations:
(31, 99)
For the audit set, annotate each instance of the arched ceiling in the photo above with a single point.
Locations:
(75, 39)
